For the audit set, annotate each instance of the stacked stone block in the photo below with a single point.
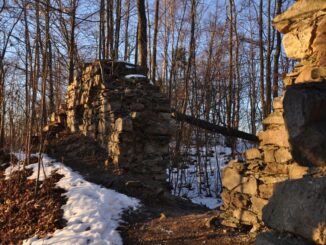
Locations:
(125, 113)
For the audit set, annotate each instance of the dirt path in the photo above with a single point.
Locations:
(195, 228)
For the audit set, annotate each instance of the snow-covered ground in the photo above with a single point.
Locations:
(93, 213)
(201, 186)
(199, 179)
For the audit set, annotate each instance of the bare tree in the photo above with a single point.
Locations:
(110, 29)
(142, 34)
(261, 58)
(268, 62)
(71, 48)
(3, 52)
(277, 54)
(127, 16)
(117, 29)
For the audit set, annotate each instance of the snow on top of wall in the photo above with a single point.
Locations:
(130, 76)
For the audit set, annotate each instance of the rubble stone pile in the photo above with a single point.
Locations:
(281, 185)
(115, 103)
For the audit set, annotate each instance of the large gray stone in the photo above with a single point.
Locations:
(305, 118)
(298, 207)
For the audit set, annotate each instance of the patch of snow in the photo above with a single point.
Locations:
(93, 213)
(131, 76)
(130, 66)
(122, 61)
(210, 202)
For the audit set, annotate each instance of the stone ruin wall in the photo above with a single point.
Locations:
(293, 144)
(127, 115)
(248, 186)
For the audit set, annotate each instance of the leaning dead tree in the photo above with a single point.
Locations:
(213, 127)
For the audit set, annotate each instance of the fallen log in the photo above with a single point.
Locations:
(231, 132)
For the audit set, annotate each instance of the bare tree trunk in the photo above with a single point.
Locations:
(110, 31)
(252, 83)
(157, 6)
(190, 65)
(277, 53)
(58, 85)
(171, 33)
(208, 72)
(2, 105)
(214, 128)
(237, 102)
(126, 53)
(37, 64)
(71, 48)
(230, 84)
(136, 46)
(51, 85)
(102, 47)
(149, 53)
(178, 46)
(45, 65)
(117, 30)
(164, 77)
(268, 63)
(261, 58)
(192, 50)
(28, 80)
(142, 34)
(252, 91)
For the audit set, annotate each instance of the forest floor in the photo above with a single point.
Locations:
(179, 225)
(159, 220)
(24, 215)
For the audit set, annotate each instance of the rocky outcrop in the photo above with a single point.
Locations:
(298, 207)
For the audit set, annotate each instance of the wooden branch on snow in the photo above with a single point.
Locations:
(213, 127)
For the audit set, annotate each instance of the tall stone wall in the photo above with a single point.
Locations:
(257, 192)
(125, 113)
(304, 28)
